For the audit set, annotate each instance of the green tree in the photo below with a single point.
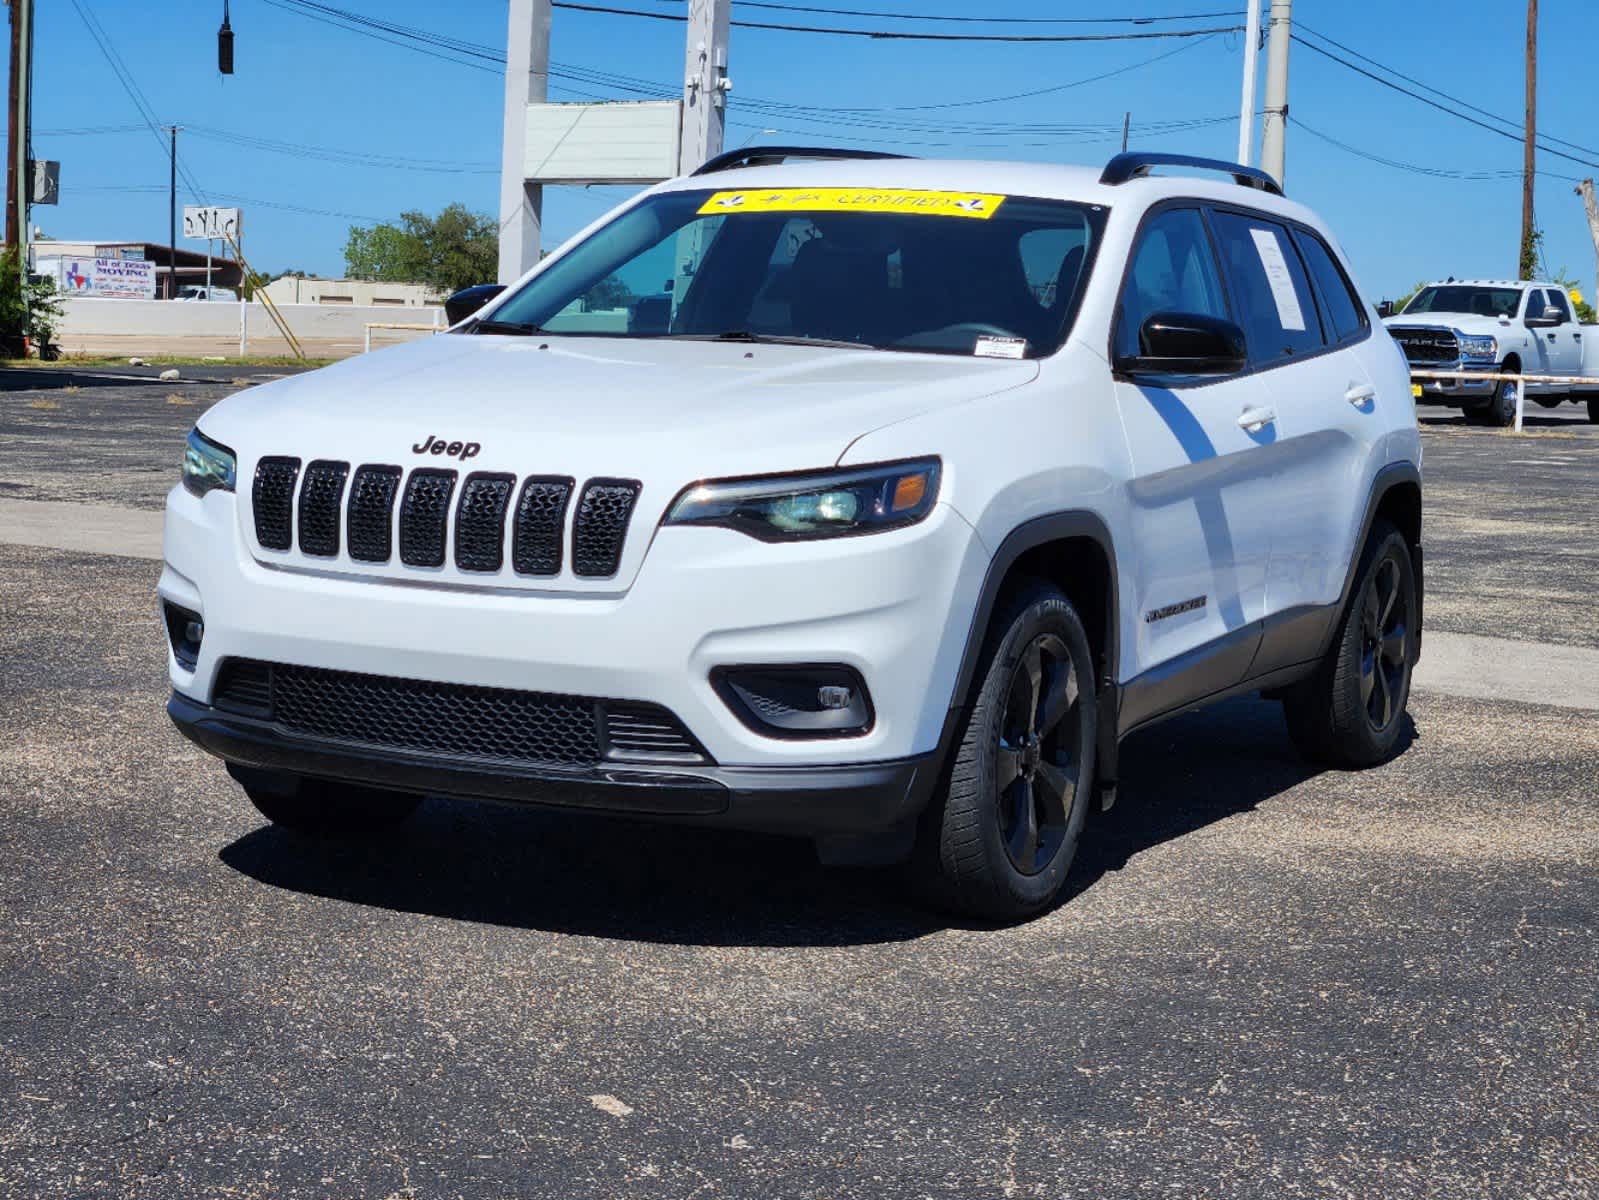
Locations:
(610, 292)
(449, 251)
(27, 310)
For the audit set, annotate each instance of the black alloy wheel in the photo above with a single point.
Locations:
(1385, 646)
(1038, 763)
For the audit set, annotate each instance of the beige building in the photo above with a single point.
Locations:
(360, 293)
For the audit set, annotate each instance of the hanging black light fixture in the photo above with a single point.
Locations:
(225, 43)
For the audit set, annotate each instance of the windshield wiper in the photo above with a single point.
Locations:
(772, 339)
(515, 328)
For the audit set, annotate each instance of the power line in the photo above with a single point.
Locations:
(1515, 137)
(906, 36)
(1513, 124)
(1415, 168)
(970, 20)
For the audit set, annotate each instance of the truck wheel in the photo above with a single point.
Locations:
(1501, 410)
(322, 806)
(1351, 711)
(999, 838)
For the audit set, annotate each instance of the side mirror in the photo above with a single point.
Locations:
(468, 300)
(1174, 343)
(1547, 321)
(1385, 309)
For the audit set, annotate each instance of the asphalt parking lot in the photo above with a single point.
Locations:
(1265, 981)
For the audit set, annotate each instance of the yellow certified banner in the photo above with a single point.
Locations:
(977, 205)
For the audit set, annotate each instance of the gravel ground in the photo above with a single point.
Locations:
(1265, 982)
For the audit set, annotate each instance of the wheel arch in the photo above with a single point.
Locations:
(1073, 550)
(1395, 497)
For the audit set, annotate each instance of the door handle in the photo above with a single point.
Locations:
(1253, 420)
(1359, 393)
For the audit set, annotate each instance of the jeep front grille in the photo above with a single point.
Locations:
(1427, 345)
(423, 515)
(320, 497)
(371, 515)
(480, 522)
(273, 501)
(456, 721)
(600, 527)
(438, 522)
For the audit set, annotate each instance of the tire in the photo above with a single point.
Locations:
(324, 807)
(999, 838)
(1350, 713)
(1500, 412)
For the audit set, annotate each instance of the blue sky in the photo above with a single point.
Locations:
(429, 130)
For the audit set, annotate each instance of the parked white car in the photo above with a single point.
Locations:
(1497, 326)
(921, 487)
(199, 291)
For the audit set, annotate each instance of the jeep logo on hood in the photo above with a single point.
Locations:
(433, 444)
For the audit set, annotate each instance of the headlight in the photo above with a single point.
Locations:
(816, 504)
(207, 465)
(1479, 347)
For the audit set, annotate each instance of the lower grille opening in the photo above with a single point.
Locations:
(455, 721)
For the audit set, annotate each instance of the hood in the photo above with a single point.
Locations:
(1448, 320)
(665, 413)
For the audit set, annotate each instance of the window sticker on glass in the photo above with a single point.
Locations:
(1289, 314)
(977, 205)
(1000, 347)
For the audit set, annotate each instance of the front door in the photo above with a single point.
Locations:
(1200, 501)
(1565, 352)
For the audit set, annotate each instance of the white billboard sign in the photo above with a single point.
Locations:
(207, 221)
(622, 142)
(115, 278)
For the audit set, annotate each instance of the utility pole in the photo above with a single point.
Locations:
(172, 215)
(527, 81)
(13, 176)
(1246, 111)
(705, 82)
(1585, 190)
(1528, 260)
(18, 168)
(1127, 129)
(1274, 128)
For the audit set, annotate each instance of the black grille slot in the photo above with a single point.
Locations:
(244, 686)
(1427, 345)
(647, 731)
(437, 718)
(600, 528)
(371, 515)
(272, 497)
(424, 513)
(540, 525)
(320, 499)
(480, 522)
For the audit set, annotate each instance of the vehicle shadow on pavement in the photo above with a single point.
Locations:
(42, 379)
(603, 877)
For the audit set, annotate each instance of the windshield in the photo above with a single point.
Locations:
(954, 273)
(1462, 298)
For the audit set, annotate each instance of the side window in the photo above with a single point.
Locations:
(1558, 302)
(1269, 283)
(1536, 305)
(1174, 270)
(1343, 307)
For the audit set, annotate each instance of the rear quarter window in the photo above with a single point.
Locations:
(1341, 305)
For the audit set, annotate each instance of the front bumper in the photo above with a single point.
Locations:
(860, 798)
(894, 607)
(1454, 391)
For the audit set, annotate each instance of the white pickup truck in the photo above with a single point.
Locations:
(1497, 326)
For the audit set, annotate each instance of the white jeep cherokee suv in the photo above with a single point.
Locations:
(863, 498)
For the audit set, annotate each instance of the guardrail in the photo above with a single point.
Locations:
(371, 325)
(1497, 376)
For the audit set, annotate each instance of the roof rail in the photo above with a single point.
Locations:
(1137, 164)
(758, 156)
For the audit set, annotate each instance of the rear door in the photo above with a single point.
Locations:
(1201, 499)
(1305, 326)
(1565, 352)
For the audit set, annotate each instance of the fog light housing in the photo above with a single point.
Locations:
(826, 700)
(185, 630)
